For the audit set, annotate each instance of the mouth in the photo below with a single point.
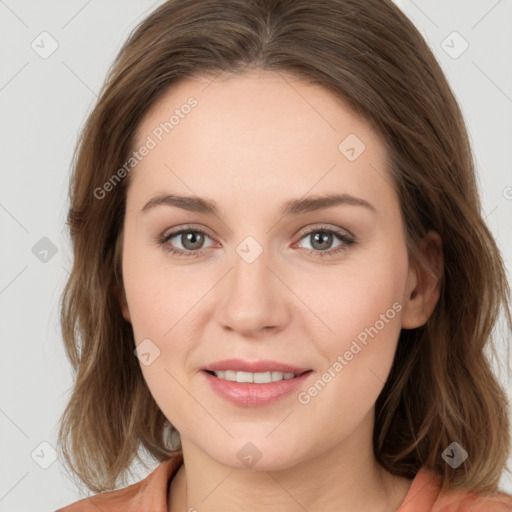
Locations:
(255, 389)
(229, 368)
(242, 377)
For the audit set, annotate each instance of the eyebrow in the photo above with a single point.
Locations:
(291, 207)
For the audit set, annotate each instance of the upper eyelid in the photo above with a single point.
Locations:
(300, 233)
(335, 229)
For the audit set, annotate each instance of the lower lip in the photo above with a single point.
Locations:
(246, 394)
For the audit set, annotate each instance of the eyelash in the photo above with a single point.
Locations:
(347, 242)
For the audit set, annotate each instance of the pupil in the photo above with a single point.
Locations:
(321, 234)
(195, 238)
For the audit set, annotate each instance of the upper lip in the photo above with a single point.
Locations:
(254, 366)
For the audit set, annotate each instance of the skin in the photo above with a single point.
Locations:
(253, 142)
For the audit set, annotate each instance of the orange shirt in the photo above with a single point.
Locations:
(150, 495)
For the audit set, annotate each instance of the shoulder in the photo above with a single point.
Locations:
(425, 495)
(147, 495)
(107, 501)
(473, 502)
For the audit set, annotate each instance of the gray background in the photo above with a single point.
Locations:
(44, 103)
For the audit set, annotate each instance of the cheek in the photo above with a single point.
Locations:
(354, 296)
(150, 310)
(153, 290)
(362, 308)
(159, 322)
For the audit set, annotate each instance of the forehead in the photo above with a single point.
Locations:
(256, 134)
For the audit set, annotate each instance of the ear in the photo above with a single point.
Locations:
(120, 294)
(423, 285)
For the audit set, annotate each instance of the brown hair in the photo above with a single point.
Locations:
(368, 53)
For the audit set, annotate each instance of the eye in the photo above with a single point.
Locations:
(322, 238)
(192, 240)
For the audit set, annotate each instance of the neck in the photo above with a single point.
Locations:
(346, 478)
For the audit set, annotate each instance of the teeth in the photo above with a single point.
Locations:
(258, 378)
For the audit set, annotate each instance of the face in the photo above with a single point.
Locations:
(324, 290)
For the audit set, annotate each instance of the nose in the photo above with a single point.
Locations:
(253, 298)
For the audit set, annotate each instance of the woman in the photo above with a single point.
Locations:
(231, 141)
